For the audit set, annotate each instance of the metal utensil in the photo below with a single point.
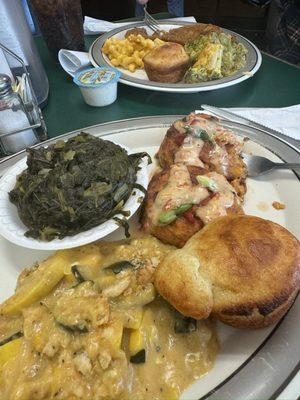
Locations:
(152, 23)
(240, 120)
(260, 165)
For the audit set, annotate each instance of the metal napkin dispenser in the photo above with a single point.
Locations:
(21, 121)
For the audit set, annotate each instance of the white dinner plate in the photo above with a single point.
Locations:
(139, 77)
(251, 365)
(13, 229)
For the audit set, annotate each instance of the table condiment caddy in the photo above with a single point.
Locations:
(21, 121)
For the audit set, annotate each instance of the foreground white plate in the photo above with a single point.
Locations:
(251, 365)
(13, 229)
(139, 77)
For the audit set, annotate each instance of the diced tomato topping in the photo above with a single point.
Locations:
(168, 205)
(179, 138)
(194, 122)
(195, 171)
(205, 201)
(190, 216)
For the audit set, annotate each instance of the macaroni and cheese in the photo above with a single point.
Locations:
(129, 52)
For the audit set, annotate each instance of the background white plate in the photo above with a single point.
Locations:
(251, 365)
(13, 229)
(139, 77)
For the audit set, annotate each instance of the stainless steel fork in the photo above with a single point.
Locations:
(151, 22)
(260, 165)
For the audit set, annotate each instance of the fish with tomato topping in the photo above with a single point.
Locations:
(182, 199)
(200, 140)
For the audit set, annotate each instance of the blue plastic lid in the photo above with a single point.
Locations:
(95, 77)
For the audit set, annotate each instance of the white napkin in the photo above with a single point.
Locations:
(4, 66)
(71, 61)
(284, 120)
(93, 26)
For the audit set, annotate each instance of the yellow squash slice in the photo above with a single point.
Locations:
(9, 351)
(38, 284)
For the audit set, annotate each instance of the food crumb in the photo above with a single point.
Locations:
(263, 206)
(278, 206)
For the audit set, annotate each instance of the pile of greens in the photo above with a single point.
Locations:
(70, 187)
(214, 66)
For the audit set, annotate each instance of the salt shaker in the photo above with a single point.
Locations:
(14, 120)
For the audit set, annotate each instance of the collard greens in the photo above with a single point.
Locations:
(73, 186)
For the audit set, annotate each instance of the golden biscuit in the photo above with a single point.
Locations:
(244, 270)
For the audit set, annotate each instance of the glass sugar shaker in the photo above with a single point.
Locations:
(14, 120)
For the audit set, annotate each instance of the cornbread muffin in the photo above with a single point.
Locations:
(244, 270)
(166, 63)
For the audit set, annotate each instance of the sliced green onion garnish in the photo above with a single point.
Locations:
(199, 133)
(167, 217)
(207, 182)
(183, 208)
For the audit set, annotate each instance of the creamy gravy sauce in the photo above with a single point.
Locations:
(179, 190)
(176, 359)
(218, 156)
(212, 127)
(218, 205)
(189, 152)
(77, 342)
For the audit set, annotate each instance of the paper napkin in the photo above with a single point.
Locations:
(284, 120)
(72, 61)
(93, 26)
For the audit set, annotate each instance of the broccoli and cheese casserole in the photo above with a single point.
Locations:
(87, 324)
(214, 55)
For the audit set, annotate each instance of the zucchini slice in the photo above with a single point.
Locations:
(184, 324)
(139, 358)
(119, 266)
(15, 336)
(78, 276)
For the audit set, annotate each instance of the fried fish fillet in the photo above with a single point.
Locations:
(221, 154)
(168, 187)
(188, 33)
(137, 31)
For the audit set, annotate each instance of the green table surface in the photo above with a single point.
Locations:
(276, 84)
